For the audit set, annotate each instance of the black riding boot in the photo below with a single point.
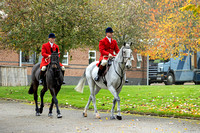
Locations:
(63, 72)
(99, 73)
(41, 77)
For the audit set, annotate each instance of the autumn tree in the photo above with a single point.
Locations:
(171, 30)
(194, 7)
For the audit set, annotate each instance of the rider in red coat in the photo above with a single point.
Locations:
(46, 53)
(107, 47)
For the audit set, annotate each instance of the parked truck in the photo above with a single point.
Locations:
(176, 70)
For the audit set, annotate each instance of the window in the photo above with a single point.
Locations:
(27, 58)
(92, 56)
(65, 59)
(139, 60)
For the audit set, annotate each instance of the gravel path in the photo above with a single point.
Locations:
(18, 117)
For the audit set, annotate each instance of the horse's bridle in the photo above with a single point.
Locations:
(54, 62)
(127, 58)
(122, 74)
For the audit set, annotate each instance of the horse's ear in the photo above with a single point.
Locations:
(51, 50)
(124, 43)
(56, 50)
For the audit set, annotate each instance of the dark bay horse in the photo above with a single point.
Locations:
(53, 82)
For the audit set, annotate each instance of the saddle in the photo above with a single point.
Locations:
(107, 67)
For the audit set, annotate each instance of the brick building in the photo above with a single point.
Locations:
(75, 63)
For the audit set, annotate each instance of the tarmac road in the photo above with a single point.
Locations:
(18, 117)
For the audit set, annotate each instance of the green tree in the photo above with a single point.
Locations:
(29, 23)
(76, 23)
(126, 17)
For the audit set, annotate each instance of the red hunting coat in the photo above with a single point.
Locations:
(105, 47)
(46, 51)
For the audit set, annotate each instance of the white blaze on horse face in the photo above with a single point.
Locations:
(129, 64)
(128, 55)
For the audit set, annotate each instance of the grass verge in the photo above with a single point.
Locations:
(176, 101)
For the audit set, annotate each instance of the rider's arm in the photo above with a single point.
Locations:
(58, 50)
(102, 48)
(44, 52)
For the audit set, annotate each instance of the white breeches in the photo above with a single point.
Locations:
(103, 62)
(44, 68)
(63, 68)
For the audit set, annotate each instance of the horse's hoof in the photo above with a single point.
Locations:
(59, 116)
(98, 116)
(37, 114)
(50, 114)
(41, 110)
(84, 114)
(112, 117)
(119, 117)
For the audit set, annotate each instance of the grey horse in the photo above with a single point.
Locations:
(115, 80)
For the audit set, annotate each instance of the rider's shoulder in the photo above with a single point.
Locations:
(45, 44)
(56, 45)
(114, 40)
(102, 40)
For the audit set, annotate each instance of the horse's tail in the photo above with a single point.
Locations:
(30, 91)
(81, 84)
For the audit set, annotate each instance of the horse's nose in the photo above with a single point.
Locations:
(128, 66)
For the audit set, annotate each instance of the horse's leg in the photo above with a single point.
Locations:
(119, 116)
(35, 88)
(87, 106)
(58, 111)
(51, 108)
(54, 93)
(42, 96)
(113, 109)
(116, 99)
(92, 95)
(90, 99)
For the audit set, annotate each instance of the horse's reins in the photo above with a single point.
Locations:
(122, 74)
(121, 77)
(54, 62)
(47, 60)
